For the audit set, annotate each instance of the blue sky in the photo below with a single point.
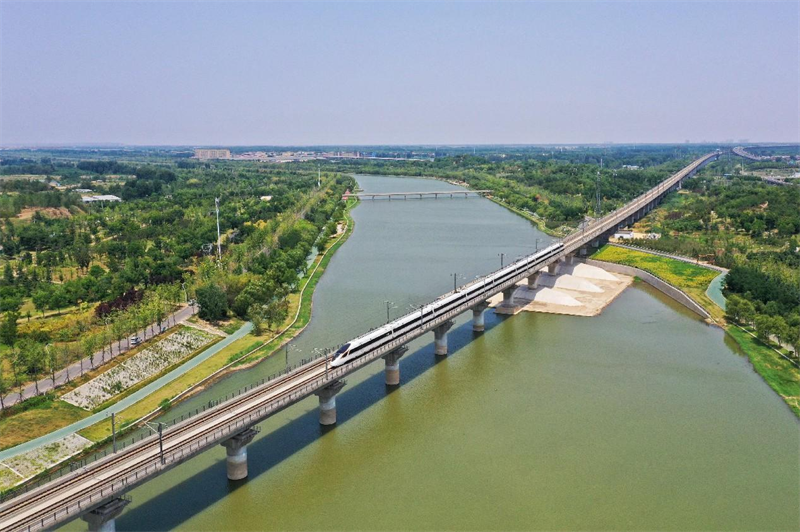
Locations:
(398, 73)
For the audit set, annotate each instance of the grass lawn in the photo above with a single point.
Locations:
(50, 415)
(690, 278)
(781, 375)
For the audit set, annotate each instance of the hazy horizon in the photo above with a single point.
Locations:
(366, 74)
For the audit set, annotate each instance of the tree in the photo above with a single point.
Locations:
(747, 311)
(764, 327)
(4, 384)
(8, 328)
(275, 312)
(41, 299)
(256, 315)
(88, 345)
(52, 361)
(795, 341)
(780, 329)
(32, 360)
(8, 274)
(213, 302)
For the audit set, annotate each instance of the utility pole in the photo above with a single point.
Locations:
(113, 432)
(161, 441)
(219, 237)
(597, 193)
(502, 256)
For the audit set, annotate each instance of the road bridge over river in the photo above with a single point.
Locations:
(97, 491)
(417, 195)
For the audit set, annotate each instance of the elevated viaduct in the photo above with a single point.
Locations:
(97, 491)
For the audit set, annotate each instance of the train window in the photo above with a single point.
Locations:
(342, 349)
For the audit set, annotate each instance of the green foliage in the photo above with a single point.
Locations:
(165, 405)
(8, 328)
(213, 302)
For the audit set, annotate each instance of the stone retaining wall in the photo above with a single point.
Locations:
(659, 284)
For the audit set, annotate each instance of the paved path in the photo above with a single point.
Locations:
(76, 369)
(131, 399)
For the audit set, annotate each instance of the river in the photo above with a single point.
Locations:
(641, 418)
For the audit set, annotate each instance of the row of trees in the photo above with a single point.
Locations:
(30, 359)
(767, 326)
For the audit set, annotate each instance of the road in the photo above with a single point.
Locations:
(78, 368)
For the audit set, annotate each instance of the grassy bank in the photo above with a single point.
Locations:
(44, 415)
(690, 278)
(781, 375)
(246, 351)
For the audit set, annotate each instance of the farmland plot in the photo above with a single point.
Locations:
(140, 367)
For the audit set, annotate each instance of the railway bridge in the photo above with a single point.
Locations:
(97, 491)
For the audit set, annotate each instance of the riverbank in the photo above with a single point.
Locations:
(692, 279)
(538, 222)
(241, 354)
(780, 373)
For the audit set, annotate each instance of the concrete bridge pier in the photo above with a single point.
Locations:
(478, 324)
(440, 338)
(554, 267)
(392, 361)
(236, 450)
(327, 402)
(103, 518)
(533, 281)
(507, 306)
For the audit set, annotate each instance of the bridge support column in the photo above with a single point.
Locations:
(596, 243)
(507, 306)
(236, 449)
(327, 402)
(102, 518)
(533, 281)
(392, 361)
(440, 338)
(478, 324)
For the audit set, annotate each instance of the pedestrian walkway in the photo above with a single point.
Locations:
(129, 400)
(78, 368)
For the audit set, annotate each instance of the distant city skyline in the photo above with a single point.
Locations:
(361, 74)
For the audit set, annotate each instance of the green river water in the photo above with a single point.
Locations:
(643, 418)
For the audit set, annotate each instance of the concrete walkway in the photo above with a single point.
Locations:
(131, 399)
(78, 368)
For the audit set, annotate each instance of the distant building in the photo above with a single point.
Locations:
(212, 154)
(624, 234)
(631, 167)
(100, 198)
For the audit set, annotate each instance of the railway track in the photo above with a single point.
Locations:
(82, 490)
(19, 513)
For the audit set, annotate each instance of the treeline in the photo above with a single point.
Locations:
(257, 276)
(558, 186)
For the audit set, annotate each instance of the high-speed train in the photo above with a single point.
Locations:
(474, 291)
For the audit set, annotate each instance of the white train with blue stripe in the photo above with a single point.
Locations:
(472, 293)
